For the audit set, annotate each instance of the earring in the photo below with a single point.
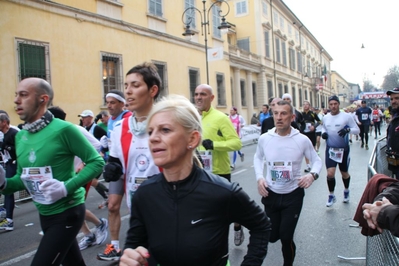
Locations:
(190, 147)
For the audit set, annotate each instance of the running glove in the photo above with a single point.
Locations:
(343, 132)
(3, 181)
(208, 144)
(112, 172)
(53, 190)
(324, 135)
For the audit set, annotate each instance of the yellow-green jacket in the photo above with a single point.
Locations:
(217, 127)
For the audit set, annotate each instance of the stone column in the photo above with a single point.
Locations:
(237, 88)
(250, 101)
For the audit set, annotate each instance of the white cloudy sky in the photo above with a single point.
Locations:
(341, 26)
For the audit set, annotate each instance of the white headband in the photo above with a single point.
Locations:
(116, 96)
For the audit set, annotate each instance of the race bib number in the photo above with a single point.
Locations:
(32, 177)
(280, 172)
(133, 186)
(336, 154)
(206, 157)
(307, 127)
(365, 116)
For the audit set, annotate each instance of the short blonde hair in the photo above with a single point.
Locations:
(183, 111)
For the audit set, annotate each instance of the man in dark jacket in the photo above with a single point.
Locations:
(393, 133)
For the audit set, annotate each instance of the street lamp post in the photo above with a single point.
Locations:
(204, 15)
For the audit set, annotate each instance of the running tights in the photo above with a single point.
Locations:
(59, 244)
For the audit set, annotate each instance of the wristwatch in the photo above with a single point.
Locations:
(315, 175)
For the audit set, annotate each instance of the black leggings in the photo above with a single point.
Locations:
(377, 126)
(59, 244)
(364, 133)
(283, 211)
(9, 201)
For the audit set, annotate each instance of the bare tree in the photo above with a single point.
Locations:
(368, 86)
(391, 79)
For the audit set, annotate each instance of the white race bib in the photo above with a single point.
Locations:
(280, 172)
(206, 157)
(32, 177)
(336, 154)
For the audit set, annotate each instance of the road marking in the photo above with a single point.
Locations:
(238, 172)
(18, 259)
(32, 253)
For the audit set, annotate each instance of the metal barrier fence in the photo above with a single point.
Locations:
(383, 249)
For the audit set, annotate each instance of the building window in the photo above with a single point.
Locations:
(281, 23)
(221, 90)
(193, 79)
(155, 7)
(292, 58)
(278, 57)
(163, 74)
(254, 95)
(243, 94)
(311, 98)
(284, 53)
(299, 60)
(264, 8)
(241, 8)
(300, 97)
(243, 44)
(216, 22)
(275, 18)
(280, 90)
(267, 44)
(34, 60)
(293, 96)
(286, 89)
(190, 14)
(112, 72)
(306, 95)
(270, 89)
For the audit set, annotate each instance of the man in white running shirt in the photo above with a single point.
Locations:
(282, 190)
(336, 128)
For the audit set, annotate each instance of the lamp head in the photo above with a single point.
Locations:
(224, 26)
(188, 33)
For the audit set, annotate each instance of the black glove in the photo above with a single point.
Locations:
(324, 135)
(208, 144)
(98, 117)
(112, 172)
(343, 132)
(8, 148)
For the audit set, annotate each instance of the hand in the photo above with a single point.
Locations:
(104, 142)
(262, 187)
(208, 144)
(324, 135)
(53, 190)
(134, 257)
(3, 181)
(305, 181)
(112, 172)
(343, 132)
(371, 212)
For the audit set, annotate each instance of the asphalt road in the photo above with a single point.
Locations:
(321, 236)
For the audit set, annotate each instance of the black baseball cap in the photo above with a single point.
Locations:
(333, 98)
(394, 90)
(364, 101)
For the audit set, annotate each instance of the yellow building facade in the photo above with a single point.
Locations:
(84, 48)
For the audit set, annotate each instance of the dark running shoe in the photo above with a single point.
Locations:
(110, 253)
